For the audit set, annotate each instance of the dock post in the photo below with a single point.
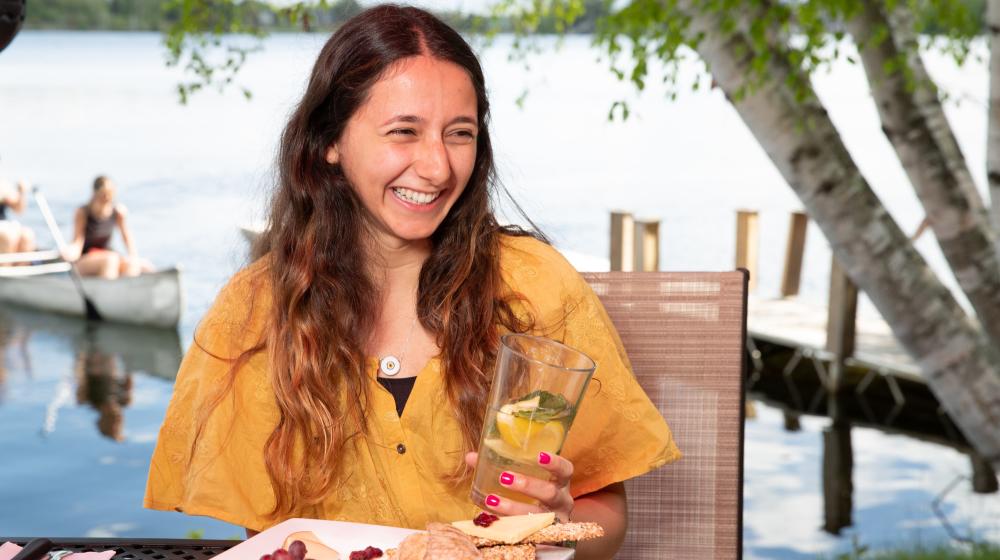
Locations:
(984, 478)
(747, 244)
(842, 308)
(795, 248)
(647, 245)
(622, 241)
(838, 477)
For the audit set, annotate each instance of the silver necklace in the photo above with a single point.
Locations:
(391, 365)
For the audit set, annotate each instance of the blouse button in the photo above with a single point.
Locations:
(400, 449)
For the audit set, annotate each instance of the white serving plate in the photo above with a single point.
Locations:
(344, 537)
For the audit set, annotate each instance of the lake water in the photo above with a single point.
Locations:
(80, 414)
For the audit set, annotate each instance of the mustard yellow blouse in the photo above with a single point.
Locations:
(394, 475)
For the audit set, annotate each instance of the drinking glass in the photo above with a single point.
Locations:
(537, 388)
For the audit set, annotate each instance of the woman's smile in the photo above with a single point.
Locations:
(416, 200)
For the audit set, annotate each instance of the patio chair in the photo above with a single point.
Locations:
(685, 334)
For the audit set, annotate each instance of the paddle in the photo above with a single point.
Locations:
(92, 312)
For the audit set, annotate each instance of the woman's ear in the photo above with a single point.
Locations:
(332, 155)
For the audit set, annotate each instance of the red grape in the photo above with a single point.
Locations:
(265, 557)
(281, 554)
(298, 550)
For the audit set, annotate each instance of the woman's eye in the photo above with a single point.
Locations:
(464, 133)
(403, 131)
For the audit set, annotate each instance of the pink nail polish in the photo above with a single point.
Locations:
(544, 458)
(492, 500)
(506, 478)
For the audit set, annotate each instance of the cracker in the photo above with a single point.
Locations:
(508, 552)
(440, 541)
(554, 534)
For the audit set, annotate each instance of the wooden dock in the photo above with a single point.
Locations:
(794, 323)
(827, 359)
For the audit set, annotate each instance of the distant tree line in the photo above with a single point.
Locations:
(161, 15)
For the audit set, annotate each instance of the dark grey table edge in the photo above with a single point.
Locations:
(139, 549)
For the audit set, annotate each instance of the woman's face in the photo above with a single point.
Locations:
(409, 149)
(105, 194)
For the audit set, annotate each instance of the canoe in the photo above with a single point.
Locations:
(153, 299)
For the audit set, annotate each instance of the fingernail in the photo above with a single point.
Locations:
(492, 500)
(506, 478)
(544, 458)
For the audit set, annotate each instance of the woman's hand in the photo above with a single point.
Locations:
(553, 495)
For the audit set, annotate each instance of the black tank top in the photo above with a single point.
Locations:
(400, 389)
(97, 233)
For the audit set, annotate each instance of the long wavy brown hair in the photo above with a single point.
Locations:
(324, 300)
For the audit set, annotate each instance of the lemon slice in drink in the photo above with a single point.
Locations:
(529, 437)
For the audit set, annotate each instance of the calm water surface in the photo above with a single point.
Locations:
(80, 408)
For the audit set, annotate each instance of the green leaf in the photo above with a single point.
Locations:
(550, 406)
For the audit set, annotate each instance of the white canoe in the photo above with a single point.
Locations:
(153, 299)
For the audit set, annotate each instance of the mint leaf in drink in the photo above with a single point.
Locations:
(541, 406)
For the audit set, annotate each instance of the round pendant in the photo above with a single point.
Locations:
(389, 365)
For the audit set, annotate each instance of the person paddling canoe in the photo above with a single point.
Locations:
(94, 226)
(14, 237)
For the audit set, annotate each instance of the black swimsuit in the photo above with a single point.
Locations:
(97, 233)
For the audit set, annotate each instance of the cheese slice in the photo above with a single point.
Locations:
(510, 530)
(315, 549)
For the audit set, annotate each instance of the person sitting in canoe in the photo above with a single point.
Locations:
(94, 225)
(14, 238)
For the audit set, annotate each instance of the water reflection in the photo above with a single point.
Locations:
(17, 340)
(102, 384)
(891, 403)
(105, 358)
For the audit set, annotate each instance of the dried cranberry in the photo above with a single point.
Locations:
(366, 554)
(485, 519)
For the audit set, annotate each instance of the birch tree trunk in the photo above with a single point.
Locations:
(914, 122)
(961, 367)
(993, 123)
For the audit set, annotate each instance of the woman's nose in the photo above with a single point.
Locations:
(432, 162)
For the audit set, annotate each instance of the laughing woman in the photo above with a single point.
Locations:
(382, 242)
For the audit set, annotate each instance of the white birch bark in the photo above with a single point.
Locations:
(960, 366)
(993, 123)
(927, 100)
(913, 120)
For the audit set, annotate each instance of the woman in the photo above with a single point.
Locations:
(382, 242)
(14, 238)
(93, 226)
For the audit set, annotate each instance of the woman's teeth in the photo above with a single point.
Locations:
(414, 196)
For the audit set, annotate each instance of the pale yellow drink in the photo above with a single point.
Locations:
(513, 437)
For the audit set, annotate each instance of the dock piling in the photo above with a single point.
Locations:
(622, 241)
(748, 244)
(841, 321)
(792, 276)
(647, 245)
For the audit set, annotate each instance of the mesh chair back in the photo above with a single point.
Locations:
(685, 334)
